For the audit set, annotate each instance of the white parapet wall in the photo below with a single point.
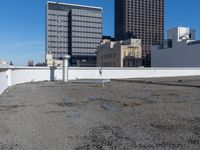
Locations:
(125, 73)
(27, 74)
(3, 81)
(18, 75)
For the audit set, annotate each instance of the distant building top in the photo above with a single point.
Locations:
(109, 43)
(4, 64)
(108, 38)
(74, 5)
(180, 34)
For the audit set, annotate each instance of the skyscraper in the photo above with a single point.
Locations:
(75, 30)
(141, 19)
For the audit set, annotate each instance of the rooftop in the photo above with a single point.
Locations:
(124, 114)
(75, 5)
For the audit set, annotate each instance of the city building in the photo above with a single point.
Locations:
(3, 64)
(179, 50)
(141, 19)
(50, 61)
(127, 53)
(75, 30)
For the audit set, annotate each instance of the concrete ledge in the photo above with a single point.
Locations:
(17, 75)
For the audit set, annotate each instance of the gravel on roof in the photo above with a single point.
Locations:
(153, 114)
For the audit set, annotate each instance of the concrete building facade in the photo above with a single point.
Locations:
(75, 30)
(180, 50)
(126, 53)
(141, 19)
(4, 64)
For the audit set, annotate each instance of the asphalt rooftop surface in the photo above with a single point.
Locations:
(143, 114)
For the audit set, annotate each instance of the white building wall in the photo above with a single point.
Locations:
(3, 81)
(25, 75)
(181, 55)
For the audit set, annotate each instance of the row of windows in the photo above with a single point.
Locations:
(58, 47)
(57, 12)
(93, 32)
(86, 13)
(58, 50)
(147, 9)
(86, 19)
(57, 22)
(58, 34)
(58, 26)
(157, 18)
(88, 45)
(79, 34)
(87, 50)
(59, 31)
(146, 3)
(56, 37)
(82, 29)
(86, 24)
(108, 56)
(87, 40)
(61, 7)
(109, 64)
(54, 41)
(61, 45)
(58, 15)
(58, 18)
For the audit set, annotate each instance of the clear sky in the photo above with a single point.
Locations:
(22, 24)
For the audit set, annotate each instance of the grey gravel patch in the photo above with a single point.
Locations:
(165, 127)
(71, 104)
(71, 116)
(192, 98)
(151, 101)
(75, 115)
(93, 98)
(9, 146)
(169, 145)
(106, 138)
(110, 107)
(10, 107)
(193, 141)
(54, 112)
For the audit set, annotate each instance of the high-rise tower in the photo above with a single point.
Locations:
(75, 30)
(142, 19)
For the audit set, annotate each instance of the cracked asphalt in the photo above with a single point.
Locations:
(143, 114)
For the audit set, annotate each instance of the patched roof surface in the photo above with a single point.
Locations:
(124, 114)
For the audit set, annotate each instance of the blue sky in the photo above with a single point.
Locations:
(22, 25)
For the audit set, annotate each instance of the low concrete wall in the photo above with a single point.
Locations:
(18, 75)
(3, 81)
(25, 75)
(124, 73)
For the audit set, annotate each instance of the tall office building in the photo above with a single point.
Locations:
(75, 30)
(141, 19)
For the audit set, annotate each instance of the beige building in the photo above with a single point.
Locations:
(50, 61)
(126, 53)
